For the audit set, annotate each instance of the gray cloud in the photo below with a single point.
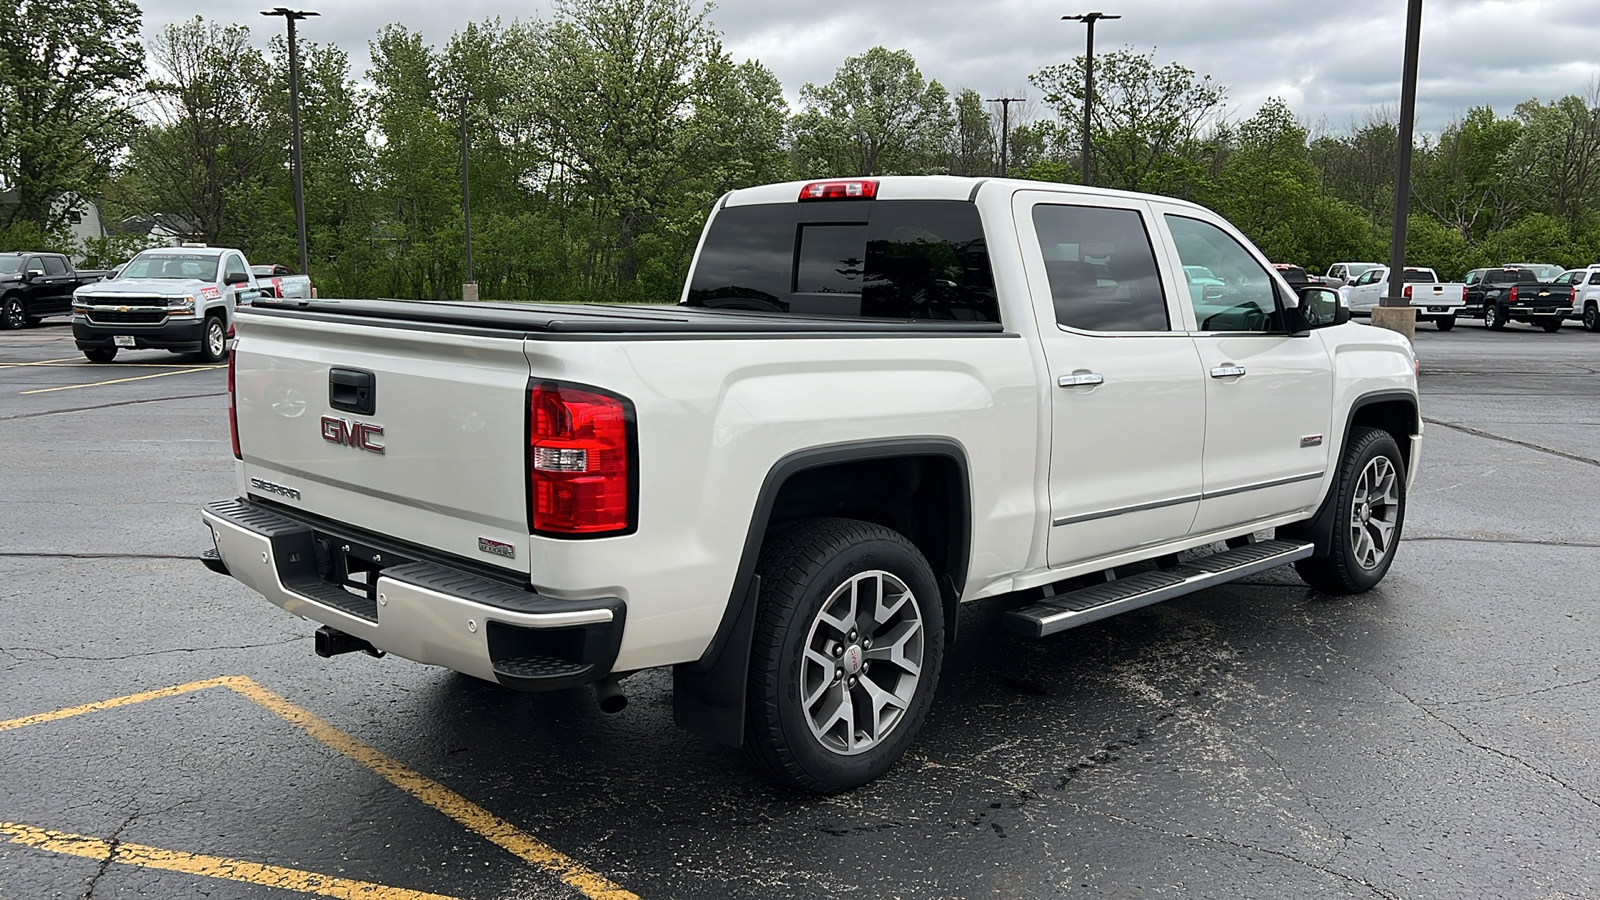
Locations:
(1332, 61)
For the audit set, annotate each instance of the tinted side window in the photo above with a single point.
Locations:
(1594, 278)
(1246, 300)
(897, 259)
(55, 265)
(1102, 269)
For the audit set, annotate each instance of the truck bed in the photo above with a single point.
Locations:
(553, 319)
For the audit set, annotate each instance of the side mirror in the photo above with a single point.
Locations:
(1319, 308)
(31, 274)
(1211, 292)
(236, 280)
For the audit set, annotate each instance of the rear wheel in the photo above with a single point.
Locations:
(1494, 318)
(846, 655)
(1591, 318)
(1369, 514)
(1445, 324)
(1552, 326)
(101, 354)
(12, 314)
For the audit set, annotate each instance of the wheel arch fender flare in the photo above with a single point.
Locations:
(709, 693)
(1319, 528)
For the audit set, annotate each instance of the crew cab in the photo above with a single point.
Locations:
(281, 281)
(34, 286)
(1501, 295)
(1434, 300)
(180, 299)
(1585, 284)
(876, 399)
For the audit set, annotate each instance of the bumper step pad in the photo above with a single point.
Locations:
(1099, 601)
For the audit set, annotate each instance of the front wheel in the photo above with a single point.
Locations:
(848, 643)
(1445, 324)
(1552, 326)
(214, 343)
(1493, 318)
(1370, 498)
(1591, 318)
(13, 314)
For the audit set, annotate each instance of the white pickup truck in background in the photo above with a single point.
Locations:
(1434, 301)
(282, 282)
(878, 398)
(181, 299)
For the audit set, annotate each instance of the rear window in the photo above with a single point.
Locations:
(882, 259)
(1506, 276)
(1413, 276)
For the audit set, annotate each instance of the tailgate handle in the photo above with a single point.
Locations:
(353, 390)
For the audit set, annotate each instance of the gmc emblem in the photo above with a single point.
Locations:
(352, 434)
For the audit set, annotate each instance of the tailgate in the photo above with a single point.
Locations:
(434, 455)
(1436, 295)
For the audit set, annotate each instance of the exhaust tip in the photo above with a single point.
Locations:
(608, 694)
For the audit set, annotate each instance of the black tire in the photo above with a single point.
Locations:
(1341, 572)
(1552, 326)
(1445, 324)
(13, 314)
(1494, 318)
(1591, 317)
(800, 569)
(101, 354)
(214, 340)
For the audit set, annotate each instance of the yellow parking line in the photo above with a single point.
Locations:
(115, 702)
(208, 866)
(469, 815)
(474, 817)
(73, 387)
(42, 362)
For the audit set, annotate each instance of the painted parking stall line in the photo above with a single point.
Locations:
(208, 866)
(73, 387)
(466, 813)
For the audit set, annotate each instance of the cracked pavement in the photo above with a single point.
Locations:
(1435, 738)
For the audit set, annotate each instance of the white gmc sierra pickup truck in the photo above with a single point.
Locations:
(877, 399)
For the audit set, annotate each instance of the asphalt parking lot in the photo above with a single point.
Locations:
(164, 732)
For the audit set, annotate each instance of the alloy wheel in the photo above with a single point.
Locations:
(862, 663)
(1374, 512)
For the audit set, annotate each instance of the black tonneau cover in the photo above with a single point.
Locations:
(581, 319)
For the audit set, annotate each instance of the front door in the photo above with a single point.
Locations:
(1268, 395)
(1127, 400)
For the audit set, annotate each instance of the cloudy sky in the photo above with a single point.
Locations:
(1333, 60)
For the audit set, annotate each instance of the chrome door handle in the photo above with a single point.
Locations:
(1228, 371)
(1081, 379)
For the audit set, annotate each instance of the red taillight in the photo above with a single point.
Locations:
(1408, 292)
(1463, 293)
(1512, 297)
(233, 410)
(580, 466)
(857, 189)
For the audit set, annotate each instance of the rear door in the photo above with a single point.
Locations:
(417, 435)
(57, 298)
(1269, 395)
(1127, 400)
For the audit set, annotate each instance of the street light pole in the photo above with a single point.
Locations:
(1402, 184)
(291, 16)
(1005, 130)
(1088, 82)
(469, 289)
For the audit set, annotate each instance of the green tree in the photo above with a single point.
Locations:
(1463, 180)
(878, 116)
(1148, 120)
(209, 150)
(974, 148)
(67, 69)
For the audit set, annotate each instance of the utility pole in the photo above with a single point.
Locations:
(291, 16)
(1005, 130)
(1402, 184)
(469, 290)
(1088, 83)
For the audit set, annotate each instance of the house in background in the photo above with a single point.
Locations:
(84, 221)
